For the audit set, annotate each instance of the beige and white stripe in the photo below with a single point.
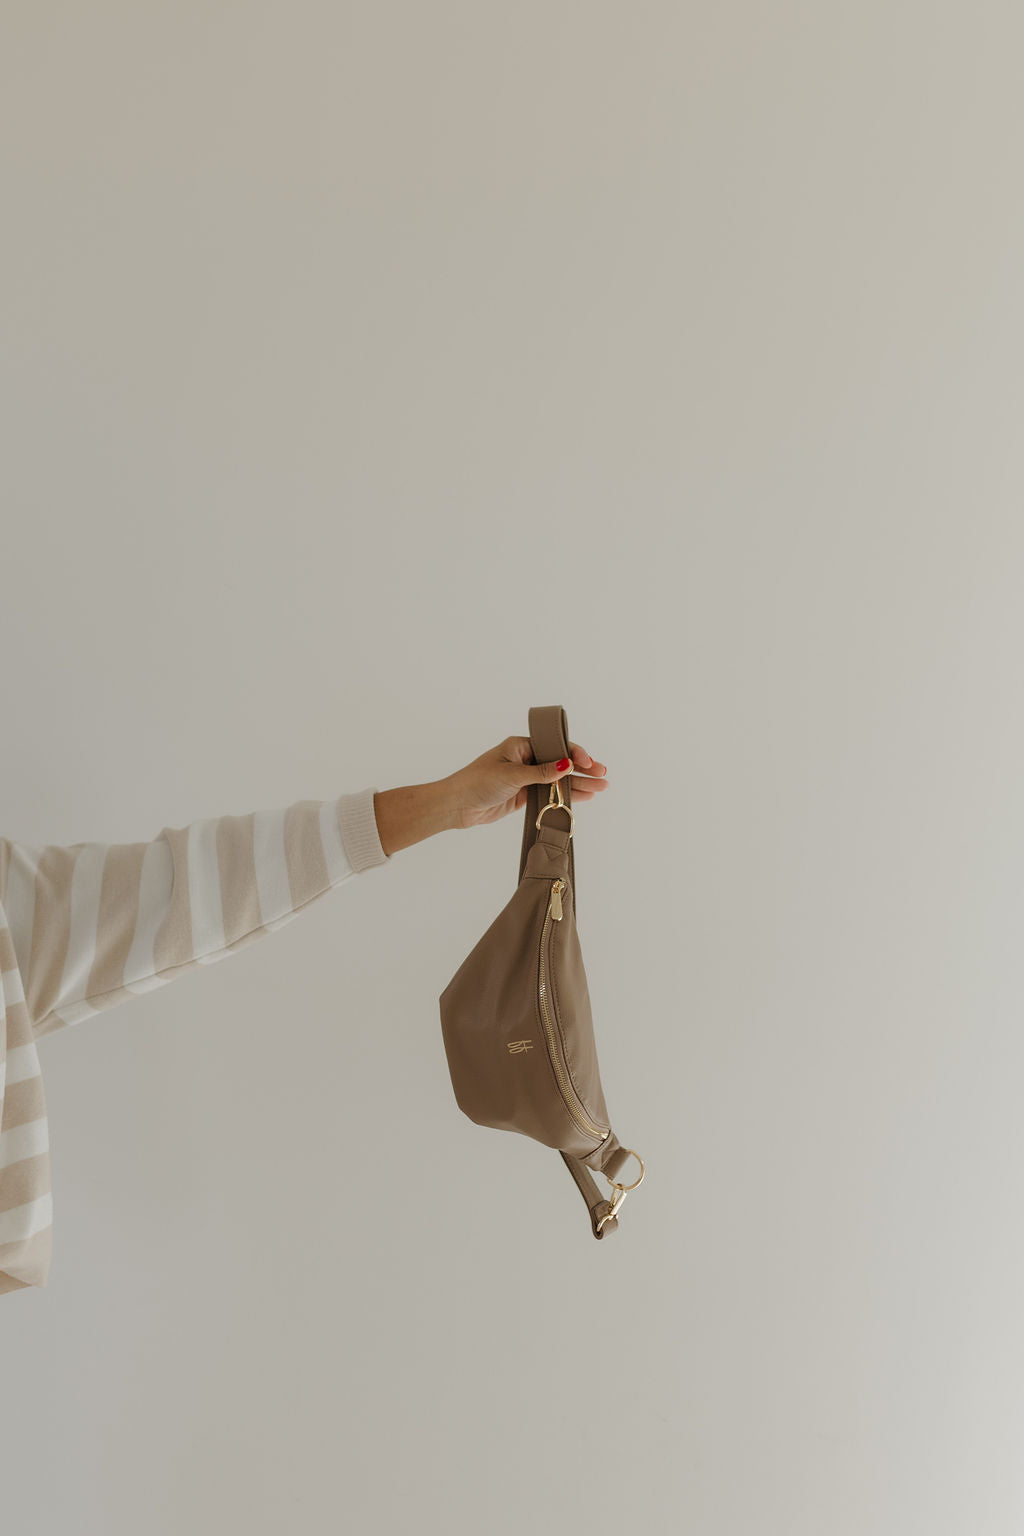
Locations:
(88, 926)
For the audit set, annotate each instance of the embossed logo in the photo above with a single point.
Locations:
(516, 1046)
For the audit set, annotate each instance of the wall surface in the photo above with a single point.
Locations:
(371, 373)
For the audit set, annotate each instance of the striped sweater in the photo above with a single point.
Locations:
(85, 927)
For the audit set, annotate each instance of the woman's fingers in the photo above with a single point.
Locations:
(582, 758)
(583, 788)
(586, 789)
(586, 785)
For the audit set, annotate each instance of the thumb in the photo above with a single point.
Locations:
(545, 773)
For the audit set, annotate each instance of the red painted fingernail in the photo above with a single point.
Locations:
(562, 763)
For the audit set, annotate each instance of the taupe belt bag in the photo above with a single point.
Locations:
(516, 1019)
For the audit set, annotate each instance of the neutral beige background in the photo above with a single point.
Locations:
(371, 373)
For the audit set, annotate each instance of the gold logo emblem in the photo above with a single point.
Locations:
(520, 1045)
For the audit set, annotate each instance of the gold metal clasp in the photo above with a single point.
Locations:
(556, 803)
(621, 1190)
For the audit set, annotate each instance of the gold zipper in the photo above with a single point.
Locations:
(572, 1100)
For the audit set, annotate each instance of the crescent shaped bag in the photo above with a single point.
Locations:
(516, 1017)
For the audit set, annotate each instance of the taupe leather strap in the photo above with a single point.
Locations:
(596, 1202)
(549, 739)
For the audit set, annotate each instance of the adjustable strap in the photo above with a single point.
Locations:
(597, 1205)
(549, 740)
(614, 1157)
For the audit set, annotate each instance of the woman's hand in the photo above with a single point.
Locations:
(497, 783)
(490, 787)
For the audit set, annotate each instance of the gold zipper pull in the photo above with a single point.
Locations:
(555, 904)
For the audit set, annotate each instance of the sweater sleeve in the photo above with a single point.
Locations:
(94, 924)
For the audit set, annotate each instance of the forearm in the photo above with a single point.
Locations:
(411, 813)
(92, 923)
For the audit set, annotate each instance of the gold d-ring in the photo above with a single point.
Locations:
(627, 1187)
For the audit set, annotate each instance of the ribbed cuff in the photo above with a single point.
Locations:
(357, 822)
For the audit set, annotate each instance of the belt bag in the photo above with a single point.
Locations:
(516, 1018)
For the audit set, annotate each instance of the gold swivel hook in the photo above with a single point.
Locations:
(556, 803)
(621, 1190)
